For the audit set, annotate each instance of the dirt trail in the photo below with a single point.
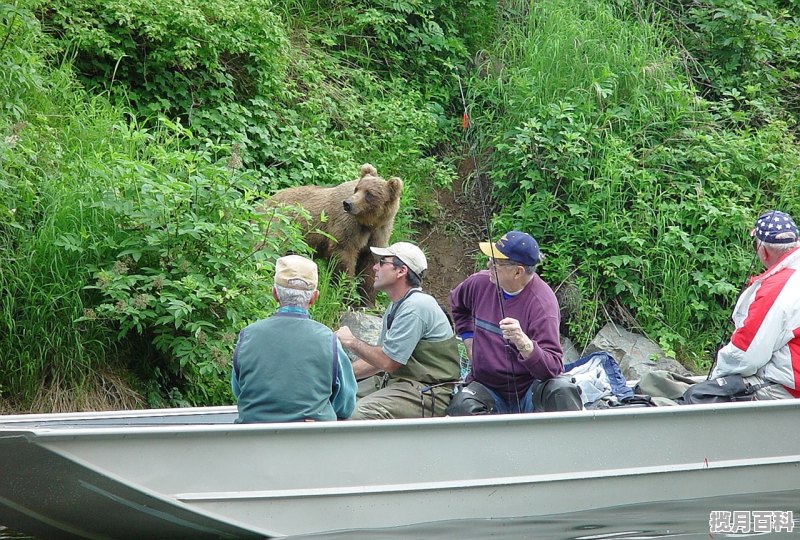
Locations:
(452, 242)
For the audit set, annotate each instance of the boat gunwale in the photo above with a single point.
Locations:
(16, 425)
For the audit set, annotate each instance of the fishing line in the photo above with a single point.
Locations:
(471, 152)
(467, 126)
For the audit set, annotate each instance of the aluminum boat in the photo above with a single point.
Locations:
(193, 473)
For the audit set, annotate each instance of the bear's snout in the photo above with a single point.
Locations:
(348, 206)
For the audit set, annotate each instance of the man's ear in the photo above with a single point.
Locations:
(403, 270)
(314, 298)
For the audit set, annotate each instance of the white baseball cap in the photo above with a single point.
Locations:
(411, 255)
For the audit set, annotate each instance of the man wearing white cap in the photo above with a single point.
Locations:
(765, 347)
(417, 350)
(288, 368)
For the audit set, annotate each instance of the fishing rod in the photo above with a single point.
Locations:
(466, 125)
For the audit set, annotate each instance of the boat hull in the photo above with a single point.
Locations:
(289, 479)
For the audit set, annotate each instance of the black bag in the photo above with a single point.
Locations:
(472, 399)
(722, 390)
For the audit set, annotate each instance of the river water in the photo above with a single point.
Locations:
(748, 516)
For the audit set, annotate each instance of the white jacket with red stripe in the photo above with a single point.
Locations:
(766, 341)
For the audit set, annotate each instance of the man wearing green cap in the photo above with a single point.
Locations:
(288, 368)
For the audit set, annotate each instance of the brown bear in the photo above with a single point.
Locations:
(360, 214)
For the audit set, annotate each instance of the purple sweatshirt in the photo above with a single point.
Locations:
(476, 309)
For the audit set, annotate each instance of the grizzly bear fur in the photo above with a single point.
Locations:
(359, 214)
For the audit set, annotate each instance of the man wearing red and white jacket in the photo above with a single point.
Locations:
(765, 347)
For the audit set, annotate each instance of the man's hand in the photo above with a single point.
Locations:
(346, 336)
(468, 346)
(513, 333)
(361, 352)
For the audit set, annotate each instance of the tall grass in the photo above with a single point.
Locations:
(637, 188)
(335, 291)
(50, 139)
(577, 52)
(56, 233)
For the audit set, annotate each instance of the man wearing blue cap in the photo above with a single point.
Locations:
(765, 346)
(508, 318)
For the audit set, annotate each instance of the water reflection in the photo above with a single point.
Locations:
(6, 534)
(672, 519)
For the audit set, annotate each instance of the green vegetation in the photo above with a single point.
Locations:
(746, 52)
(641, 191)
(637, 141)
(139, 137)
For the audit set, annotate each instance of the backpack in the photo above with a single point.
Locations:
(722, 390)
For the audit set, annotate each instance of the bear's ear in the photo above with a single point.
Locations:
(395, 186)
(368, 170)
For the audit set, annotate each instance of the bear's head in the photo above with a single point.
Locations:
(374, 201)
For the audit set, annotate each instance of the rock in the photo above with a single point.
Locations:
(635, 353)
(569, 301)
(365, 327)
(570, 352)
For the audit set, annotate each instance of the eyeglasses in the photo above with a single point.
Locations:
(381, 262)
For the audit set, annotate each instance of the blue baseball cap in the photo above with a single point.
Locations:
(775, 227)
(515, 246)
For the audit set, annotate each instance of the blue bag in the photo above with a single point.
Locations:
(616, 379)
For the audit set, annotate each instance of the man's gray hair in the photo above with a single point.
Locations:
(779, 249)
(293, 297)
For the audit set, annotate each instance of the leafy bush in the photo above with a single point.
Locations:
(747, 51)
(185, 273)
(299, 115)
(403, 39)
(174, 57)
(166, 232)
